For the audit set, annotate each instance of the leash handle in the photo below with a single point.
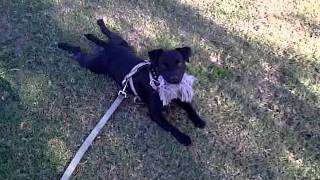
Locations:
(86, 144)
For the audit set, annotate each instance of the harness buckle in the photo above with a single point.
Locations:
(154, 83)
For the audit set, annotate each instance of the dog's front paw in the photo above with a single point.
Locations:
(184, 139)
(200, 123)
(100, 22)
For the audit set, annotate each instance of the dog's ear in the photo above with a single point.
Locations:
(154, 55)
(185, 52)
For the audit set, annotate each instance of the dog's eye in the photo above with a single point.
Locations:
(164, 65)
(179, 63)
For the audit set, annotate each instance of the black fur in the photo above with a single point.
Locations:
(116, 60)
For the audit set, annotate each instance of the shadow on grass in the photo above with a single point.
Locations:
(131, 145)
(32, 108)
(24, 141)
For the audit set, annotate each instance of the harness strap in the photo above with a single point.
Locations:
(154, 83)
(136, 96)
(128, 77)
(134, 70)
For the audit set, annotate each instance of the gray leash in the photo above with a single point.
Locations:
(84, 147)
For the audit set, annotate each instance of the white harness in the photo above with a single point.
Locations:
(167, 91)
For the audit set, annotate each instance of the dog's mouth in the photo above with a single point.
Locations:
(173, 79)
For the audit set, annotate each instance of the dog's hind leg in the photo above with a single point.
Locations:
(89, 61)
(114, 37)
(70, 48)
(80, 56)
(96, 40)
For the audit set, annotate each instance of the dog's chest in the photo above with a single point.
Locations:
(182, 91)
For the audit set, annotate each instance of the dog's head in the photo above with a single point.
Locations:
(170, 64)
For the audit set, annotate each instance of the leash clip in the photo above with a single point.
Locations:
(123, 91)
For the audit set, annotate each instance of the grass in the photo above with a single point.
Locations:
(257, 64)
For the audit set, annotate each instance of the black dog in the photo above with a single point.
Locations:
(117, 59)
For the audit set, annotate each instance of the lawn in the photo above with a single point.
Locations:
(258, 69)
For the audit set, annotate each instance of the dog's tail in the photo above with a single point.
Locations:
(114, 37)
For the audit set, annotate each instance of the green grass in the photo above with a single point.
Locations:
(257, 65)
